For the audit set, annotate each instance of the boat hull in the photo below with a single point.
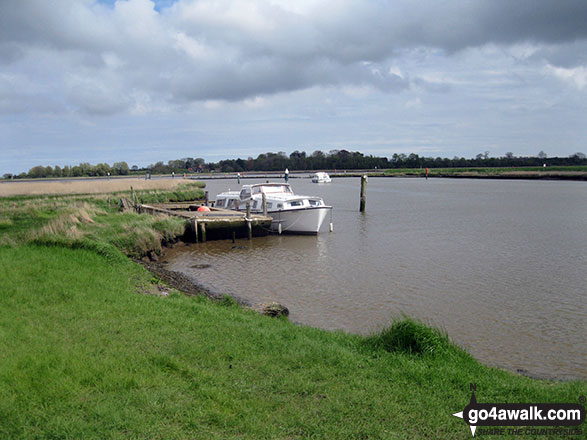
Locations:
(300, 221)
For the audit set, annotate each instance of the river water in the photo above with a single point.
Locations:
(500, 265)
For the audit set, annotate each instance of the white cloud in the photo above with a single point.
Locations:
(577, 76)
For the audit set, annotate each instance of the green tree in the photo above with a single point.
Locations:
(120, 168)
(37, 172)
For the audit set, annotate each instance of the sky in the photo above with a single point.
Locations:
(143, 81)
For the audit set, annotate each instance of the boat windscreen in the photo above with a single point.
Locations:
(272, 189)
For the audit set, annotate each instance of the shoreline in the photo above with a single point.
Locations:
(572, 176)
(190, 287)
(184, 284)
(456, 173)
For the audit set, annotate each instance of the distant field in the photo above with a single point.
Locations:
(97, 186)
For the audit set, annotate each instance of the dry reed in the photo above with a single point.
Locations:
(96, 186)
(67, 224)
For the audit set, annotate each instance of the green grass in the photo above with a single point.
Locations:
(411, 337)
(87, 354)
(91, 350)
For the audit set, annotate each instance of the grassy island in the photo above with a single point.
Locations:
(94, 346)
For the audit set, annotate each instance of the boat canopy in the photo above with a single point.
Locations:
(267, 188)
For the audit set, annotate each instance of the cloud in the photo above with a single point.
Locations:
(576, 76)
(131, 54)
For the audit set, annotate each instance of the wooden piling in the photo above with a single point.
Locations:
(203, 231)
(363, 193)
(206, 201)
(194, 227)
(264, 204)
(249, 223)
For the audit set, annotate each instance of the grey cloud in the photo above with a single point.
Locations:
(10, 52)
(457, 25)
(199, 50)
(434, 87)
(67, 25)
(568, 55)
(97, 96)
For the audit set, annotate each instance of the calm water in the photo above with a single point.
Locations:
(500, 265)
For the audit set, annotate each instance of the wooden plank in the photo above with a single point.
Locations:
(201, 221)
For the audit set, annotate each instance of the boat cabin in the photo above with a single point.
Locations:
(264, 188)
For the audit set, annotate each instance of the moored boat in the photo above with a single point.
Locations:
(290, 212)
(321, 177)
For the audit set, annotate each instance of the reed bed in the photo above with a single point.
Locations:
(95, 186)
(93, 221)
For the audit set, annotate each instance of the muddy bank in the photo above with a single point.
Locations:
(188, 286)
(181, 282)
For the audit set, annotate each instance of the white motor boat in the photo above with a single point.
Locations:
(290, 212)
(321, 178)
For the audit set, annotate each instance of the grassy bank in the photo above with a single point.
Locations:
(566, 172)
(553, 172)
(93, 221)
(87, 354)
(92, 349)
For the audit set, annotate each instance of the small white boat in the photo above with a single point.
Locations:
(290, 212)
(321, 178)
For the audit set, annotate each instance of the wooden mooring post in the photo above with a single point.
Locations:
(363, 193)
(194, 227)
(249, 222)
(206, 201)
(264, 204)
(203, 231)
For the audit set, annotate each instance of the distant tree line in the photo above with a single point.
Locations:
(299, 160)
(81, 170)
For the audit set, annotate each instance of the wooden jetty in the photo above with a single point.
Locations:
(217, 221)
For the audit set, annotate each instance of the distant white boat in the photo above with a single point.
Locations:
(290, 212)
(321, 178)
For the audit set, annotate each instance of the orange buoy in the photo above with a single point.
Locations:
(203, 208)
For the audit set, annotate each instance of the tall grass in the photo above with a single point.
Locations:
(75, 221)
(181, 193)
(411, 337)
(88, 186)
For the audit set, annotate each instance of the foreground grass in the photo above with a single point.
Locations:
(86, 354)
